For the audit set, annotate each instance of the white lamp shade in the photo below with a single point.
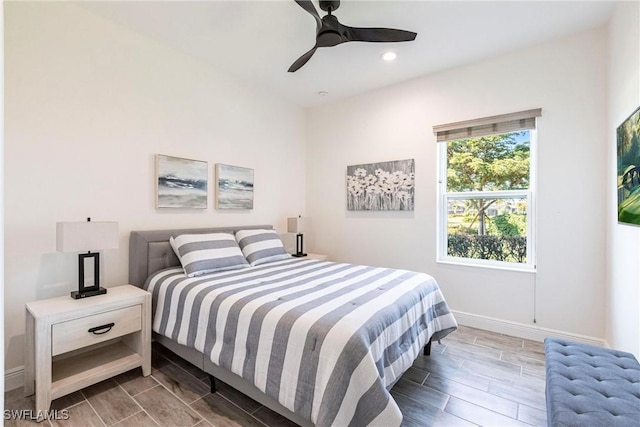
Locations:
(86, 236)
(299, 224)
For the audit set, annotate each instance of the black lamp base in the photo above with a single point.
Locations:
(299, 246)
(86, 294)
(91, 262)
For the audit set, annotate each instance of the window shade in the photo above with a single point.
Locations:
(503, 123)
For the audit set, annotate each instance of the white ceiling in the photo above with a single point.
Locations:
(257, 41)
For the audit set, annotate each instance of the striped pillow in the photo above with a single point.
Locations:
(207, 253)
(260, 246)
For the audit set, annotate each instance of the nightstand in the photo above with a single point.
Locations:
(320, 257)
(71, 344)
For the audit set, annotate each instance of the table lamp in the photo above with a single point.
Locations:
(80, 237)
(299, 225)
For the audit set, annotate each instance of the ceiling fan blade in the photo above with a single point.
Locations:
(302, 60)
(309, 7)
(377, 35)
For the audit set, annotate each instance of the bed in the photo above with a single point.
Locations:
(319, 342)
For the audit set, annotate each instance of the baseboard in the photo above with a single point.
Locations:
(520, 330)
(13, 378)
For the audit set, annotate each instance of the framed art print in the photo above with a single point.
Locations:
(383, 186)
(181, 183)
(234, 187)
(628, 167)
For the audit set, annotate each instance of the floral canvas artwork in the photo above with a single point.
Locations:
(384, 186)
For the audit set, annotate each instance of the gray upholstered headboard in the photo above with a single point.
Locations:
(150, 251)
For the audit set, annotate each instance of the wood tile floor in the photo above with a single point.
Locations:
(473, 377)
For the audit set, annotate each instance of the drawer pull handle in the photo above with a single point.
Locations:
(98, 330)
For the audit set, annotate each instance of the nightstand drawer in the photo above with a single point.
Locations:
(85, 331)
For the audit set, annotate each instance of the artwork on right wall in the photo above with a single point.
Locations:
(628, 169)
(383, 186)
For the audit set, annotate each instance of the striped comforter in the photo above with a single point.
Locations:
(327, 340)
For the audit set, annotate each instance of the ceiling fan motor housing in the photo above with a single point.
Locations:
(329, 34)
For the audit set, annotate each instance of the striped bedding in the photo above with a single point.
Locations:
(327, 340)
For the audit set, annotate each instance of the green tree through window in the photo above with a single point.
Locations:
(486, 193)
(488, 163)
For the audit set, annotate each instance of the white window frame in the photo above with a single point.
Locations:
(443, 215)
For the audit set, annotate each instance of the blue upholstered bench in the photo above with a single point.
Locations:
(590, 386)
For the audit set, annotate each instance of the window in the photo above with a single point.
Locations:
(486, 191)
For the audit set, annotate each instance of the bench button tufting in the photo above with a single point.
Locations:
(583, 377)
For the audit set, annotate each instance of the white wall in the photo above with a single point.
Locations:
(567, 79)
(88, 105)
(623, 245)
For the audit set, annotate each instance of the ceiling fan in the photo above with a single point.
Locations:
(330, 32)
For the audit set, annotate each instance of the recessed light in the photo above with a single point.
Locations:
(389, 56)
(323, 93)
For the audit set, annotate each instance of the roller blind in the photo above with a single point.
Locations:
(503, 123)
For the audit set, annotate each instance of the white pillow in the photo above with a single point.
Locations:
(261, 246)
(207, 253)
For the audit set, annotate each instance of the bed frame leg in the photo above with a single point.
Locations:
(427, 348)
(212, 379)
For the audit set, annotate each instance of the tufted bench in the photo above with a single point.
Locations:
(590, 386)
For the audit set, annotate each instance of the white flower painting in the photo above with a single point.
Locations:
(384, 186)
